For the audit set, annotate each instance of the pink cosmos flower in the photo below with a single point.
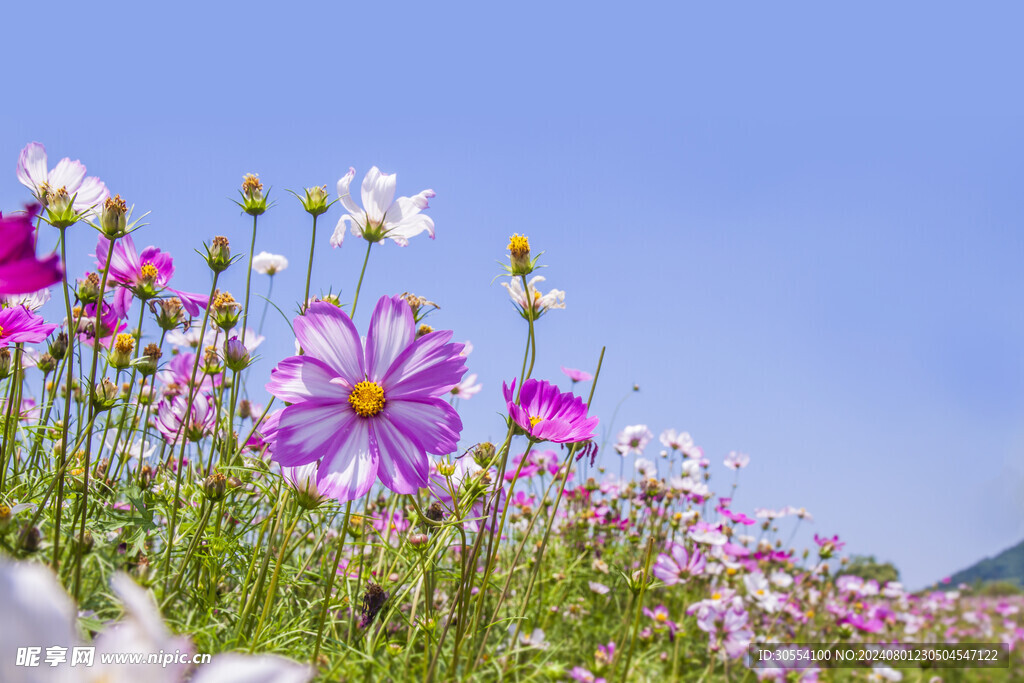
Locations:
(70, 175)
(171, 415)
(370, 411)
(111, 324)
(20, 271)
(736, 460)
(679, 565)
(546, 414)
(145, 274)
(18, 324)
(467, 388)
(633, 439)
(577, 375)
(382, 215)
(661, 619)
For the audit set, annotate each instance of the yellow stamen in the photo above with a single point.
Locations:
(518, 245)
(149, 271)
(224, 299)
(661, 617)
(125, 343)
(367, 399)
(716, 596)
(534, 420)
(251, 183)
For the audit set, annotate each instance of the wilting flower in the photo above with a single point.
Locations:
(736, 460)
(633, 439)
(145, 275)
(678, 565)
(67, 175)
(539, 303)
(546, 414)
(577, 375)
(18, 324)
(370, 412)
(373, 602)
(269, 264)
(382, 215)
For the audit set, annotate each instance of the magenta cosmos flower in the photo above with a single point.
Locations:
(370, 411)
(546, 414)
(145, 274)
(18, 324)
(20, 271)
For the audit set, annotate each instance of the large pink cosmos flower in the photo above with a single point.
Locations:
(18, 324)
(145, 274)
(546, 414)
(368, 412)
(70, 175)
(382, 215)
(679, 566)
(20, 271)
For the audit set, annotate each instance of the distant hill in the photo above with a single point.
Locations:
(1006, 566)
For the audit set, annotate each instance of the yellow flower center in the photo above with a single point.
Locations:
(251, 183)
(731, 571)
(661, 617)
(534, 420)
(1, 330)
(367, 399)
(224, 299)
(125, 343)
(518, 245)
(760, 591)
(5, 511)
(716, 596)
(149, 272)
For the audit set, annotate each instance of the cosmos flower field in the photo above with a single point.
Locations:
(328, 521)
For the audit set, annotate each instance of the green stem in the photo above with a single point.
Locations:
(359, 285)
(69, 355)
(309, 268)
(337, 561)
(248, 280)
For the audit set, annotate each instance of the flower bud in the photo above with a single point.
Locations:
(214, 487)
(59, 346)
(6, 515)
(418, 305)
(30, 539)
(244, 409)
(148, 363)
(483, 454)
(5, 363)
(315, 201)
(218, 254)
(88, 289)
(105, 395)
(211, 361)
(120, 355)
(423, 330)
(236, 356)
(253, 201)
(83, 544)
(224, 311)
(519, 255)
(46, 363)
(169, 313)
(114, 217)
(418, 540)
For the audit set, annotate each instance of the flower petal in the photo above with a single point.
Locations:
(325, 332)
(434, 422)
(426, 369)
(301, 378)
(311, 430)
(403, 466)
(392, 329)
(31, 169)
(67, 174)
(378, 193)
(350, 465)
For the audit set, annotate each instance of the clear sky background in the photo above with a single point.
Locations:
(798, 227)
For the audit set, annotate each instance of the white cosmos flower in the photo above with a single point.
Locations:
(381, 214)
(467, 387)
(33, 301)
(541, 302)
(269, 264)
(645, 468)
(31, 171)
(633, 439)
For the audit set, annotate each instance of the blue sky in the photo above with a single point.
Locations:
(798, 228)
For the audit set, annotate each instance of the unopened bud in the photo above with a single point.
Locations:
(519, 255)
(236, 356)
(315, 202)
(105, 395)
(114, 217)
(214, 486)
(218, 254)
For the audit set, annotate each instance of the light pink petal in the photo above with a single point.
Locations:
(31, 169)
(350, 464)
(378, 193)
(403, 466)
(301, 378)
(392, 329)
(311, 429)
(91, 194)
(325, 332)
(434, 422)
(411, 227)
(426, 369)
(67, 174)
(345, 194)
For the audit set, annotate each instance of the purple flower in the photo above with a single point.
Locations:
(736, 460)
(111, 324)
(546, 414)
(171, 415)
(679, 565)
(20, 271)
(18, 324)
(145, 274)
(367, 412)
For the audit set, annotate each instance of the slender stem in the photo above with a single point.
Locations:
(69, 356)
(266, 305)
(337, 565)
(248, 280)
(309, 268)
(359, 285)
